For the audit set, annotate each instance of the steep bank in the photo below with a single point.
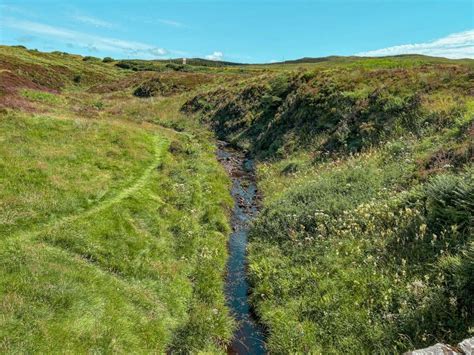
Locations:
(365, 241)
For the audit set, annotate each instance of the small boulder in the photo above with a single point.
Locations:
(467, 345)
(437, 349)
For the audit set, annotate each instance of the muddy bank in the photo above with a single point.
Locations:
(249, 337)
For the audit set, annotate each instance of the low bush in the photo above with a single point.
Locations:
(90, 59)
(176, 67)
(140, 65)
(77, 78)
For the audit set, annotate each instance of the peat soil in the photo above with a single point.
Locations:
(249, 337)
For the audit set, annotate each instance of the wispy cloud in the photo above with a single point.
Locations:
(215, 56)
(456, 45)
(170, 23)
(25, 39)
(85, 40)
(9, 9)
(93, 21)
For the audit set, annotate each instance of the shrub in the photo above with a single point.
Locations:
(108, 60)
(147, 89)
(123, 65)
(90, 59)
(139, 65)
(450, 201)
(176, 67)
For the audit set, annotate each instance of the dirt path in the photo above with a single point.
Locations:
(249, 337)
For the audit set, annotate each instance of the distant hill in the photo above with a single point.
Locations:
(311, 60)
(304, 60)
(200, 62)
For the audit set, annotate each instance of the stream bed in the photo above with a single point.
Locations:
(249, 337)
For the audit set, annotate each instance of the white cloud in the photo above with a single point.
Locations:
(215, 56)
(88, 20)
(456, 45)
(88, 41)
(159, 52)
(171, 23)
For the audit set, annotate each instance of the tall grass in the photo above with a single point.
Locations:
(348, 263)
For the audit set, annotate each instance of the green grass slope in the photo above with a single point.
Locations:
(112, 227)
(365, 241)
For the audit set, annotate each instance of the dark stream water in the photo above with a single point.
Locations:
(249, 337)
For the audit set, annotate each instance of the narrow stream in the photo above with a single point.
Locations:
(249, 337)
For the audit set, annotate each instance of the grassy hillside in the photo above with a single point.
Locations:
(365, 240)
(114, 210)
(112, 227)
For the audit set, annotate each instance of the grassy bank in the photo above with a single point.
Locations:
(365, 240)
(356, 256)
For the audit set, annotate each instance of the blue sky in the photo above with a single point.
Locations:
(243, 31)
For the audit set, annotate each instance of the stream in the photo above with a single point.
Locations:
(249, 337)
